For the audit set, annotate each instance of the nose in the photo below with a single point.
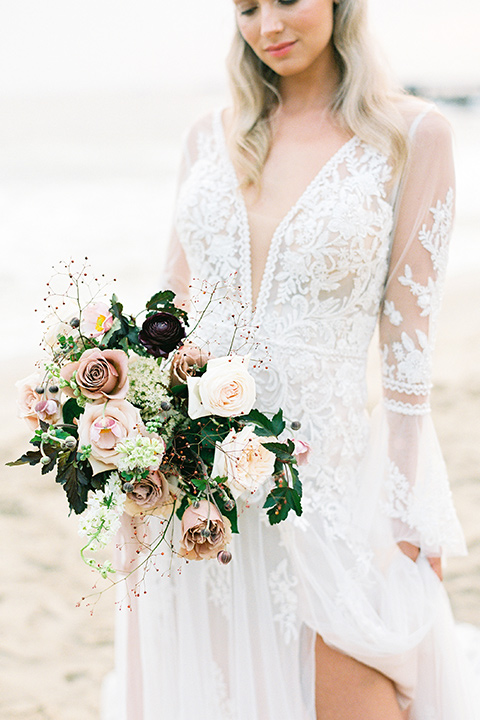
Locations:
(271, 23)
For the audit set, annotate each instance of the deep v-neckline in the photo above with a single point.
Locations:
(266, 277)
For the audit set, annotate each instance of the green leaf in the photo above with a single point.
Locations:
(163, 302)
(160, 298)
(182, 507)
(31, 457)
(278, 423)
(259, 419)
(294, 501)
(74, 480)
(116, 325)
(71, 410)
(179, 390)
(232, 515)
(283, 451)
(297, 484)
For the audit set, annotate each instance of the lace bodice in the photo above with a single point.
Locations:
(356, 248)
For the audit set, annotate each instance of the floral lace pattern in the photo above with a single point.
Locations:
(284, 597)
(320, 295)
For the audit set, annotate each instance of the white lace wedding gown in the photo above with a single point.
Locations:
(236, 643)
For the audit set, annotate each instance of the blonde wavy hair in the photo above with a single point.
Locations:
(365, 101)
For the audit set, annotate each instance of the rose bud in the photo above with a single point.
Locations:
(186, 361)
(161, 333)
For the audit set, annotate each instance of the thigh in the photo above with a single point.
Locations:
(349, 690)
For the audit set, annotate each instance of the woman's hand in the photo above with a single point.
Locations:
(412, 551)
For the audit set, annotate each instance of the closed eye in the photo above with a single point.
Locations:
(248, 11)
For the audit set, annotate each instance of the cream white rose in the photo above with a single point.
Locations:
(243, 460)
(226, 389)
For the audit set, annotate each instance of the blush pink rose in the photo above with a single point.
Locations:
(33, 405)
(103, 426)
(302, 452)
(99, 374)
(204, 532)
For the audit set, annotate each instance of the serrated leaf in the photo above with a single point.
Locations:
(281, 450)
(294, 501)
(31, 457)
(74, 481)
(258, 418)
(296, 482)
(160, 298)
(278, 423)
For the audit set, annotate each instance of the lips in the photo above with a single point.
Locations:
(280, 49)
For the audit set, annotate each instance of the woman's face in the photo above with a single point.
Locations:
(290, 36)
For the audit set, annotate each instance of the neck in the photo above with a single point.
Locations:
(314, 88)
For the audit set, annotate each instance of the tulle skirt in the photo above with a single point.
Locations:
(212, 642)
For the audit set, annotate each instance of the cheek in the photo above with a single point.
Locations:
(247, 31)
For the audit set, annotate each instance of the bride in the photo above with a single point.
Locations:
(323, 198)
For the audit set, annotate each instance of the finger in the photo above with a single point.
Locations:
(411, 551)
(436, 565)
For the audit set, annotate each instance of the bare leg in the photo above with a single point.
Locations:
(348, 690)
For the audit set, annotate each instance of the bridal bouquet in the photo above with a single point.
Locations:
(136, 418)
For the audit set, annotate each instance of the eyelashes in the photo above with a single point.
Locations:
(250, 11)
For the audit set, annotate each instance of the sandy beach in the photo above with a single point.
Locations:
(53, 654)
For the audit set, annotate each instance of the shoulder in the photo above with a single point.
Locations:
(206, 124)
(423, 120)
(202, 136)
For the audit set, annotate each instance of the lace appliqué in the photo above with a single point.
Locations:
(224, 703)
(394, 315)
(436, 239)
(219, 586)
(406, 408)
(284, 596)
(411, 372)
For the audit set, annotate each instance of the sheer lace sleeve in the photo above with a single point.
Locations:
(417, 492)
(176, 274)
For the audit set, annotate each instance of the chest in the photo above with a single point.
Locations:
(329, 247)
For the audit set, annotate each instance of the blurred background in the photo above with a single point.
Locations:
(95, 98)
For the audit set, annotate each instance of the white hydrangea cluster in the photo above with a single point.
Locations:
(148, 383)
(101, 519)
(140, 453)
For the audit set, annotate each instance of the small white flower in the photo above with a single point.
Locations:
(140, 453)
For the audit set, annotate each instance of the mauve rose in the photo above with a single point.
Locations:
(102, 426)
(100, 374)
(161, 333)
(194, 545)
(185, 361)
(147, 494)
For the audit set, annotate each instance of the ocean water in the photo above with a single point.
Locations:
(95, 98)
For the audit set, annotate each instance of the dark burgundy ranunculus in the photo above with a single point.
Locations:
(161, 333)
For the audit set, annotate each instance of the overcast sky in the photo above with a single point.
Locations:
(122, 45)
